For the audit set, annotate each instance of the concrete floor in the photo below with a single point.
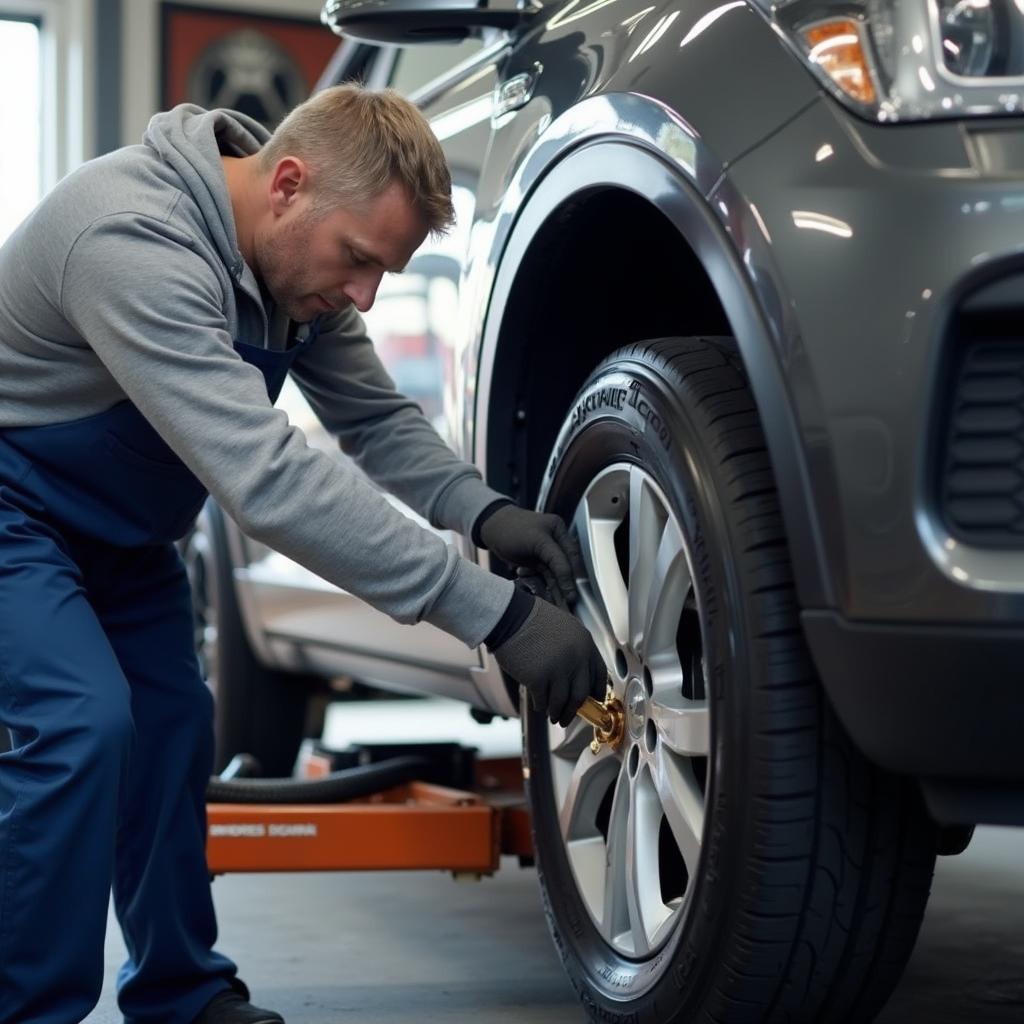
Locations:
(390, 948)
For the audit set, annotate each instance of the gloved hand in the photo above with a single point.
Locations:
(537, 542)
(554, 656)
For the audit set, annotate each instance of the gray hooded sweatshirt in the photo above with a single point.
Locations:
(127, 282)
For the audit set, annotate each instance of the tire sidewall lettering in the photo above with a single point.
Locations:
(624, 396)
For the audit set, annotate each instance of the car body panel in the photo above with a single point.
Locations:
(864, 375)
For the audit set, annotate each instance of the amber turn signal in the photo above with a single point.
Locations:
(836, 47)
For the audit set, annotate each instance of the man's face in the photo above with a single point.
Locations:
(313, 262)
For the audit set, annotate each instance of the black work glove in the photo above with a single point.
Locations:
(537, 542)
(554, 657)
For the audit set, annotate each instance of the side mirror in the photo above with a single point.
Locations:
(402, 22)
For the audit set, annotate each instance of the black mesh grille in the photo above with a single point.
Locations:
(982, 484)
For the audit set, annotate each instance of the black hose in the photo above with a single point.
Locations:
(335, 788)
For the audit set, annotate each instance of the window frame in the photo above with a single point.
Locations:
(66, 56)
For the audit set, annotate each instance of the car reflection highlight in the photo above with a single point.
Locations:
(822, 222)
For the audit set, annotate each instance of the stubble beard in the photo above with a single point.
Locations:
(280, 268)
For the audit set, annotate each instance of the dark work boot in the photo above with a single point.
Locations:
(230, 1007)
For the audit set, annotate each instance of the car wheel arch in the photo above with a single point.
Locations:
(666, 189)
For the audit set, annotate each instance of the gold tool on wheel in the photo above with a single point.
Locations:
(607, 718)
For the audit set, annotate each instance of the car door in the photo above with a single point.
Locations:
(415, 327)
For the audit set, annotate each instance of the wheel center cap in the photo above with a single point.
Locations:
(636, 708)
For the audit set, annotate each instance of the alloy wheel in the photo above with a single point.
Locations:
(632, 819)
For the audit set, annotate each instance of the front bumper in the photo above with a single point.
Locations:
(938, 702)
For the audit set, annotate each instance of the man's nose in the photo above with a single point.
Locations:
(363, 290)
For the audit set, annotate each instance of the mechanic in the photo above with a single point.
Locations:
(150, 309)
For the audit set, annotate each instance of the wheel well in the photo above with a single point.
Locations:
(607, 269)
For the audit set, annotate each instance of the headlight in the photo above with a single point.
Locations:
(907, 60)
(970, 37)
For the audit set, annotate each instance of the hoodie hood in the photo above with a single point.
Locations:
(192, 140)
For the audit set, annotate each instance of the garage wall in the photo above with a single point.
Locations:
(140, 52)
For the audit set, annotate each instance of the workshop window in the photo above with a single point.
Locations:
(418, 65)
(21, 154)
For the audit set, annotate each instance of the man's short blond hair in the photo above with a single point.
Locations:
(357, 141)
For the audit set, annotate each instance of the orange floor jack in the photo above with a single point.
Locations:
(377, 808)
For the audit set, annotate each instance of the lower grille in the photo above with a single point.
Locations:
(982, 465)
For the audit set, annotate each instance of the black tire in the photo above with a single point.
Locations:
(814, 866)
(257, 710)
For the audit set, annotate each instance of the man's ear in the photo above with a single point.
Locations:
(288, 179)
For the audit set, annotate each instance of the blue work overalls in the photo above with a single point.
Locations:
(110, 720)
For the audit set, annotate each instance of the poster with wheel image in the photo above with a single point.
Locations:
(259, 64)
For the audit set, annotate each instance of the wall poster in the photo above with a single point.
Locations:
(260, 64)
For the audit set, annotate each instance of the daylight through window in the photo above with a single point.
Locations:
(20, 116)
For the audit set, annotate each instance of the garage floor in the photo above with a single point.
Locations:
(388, 948)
